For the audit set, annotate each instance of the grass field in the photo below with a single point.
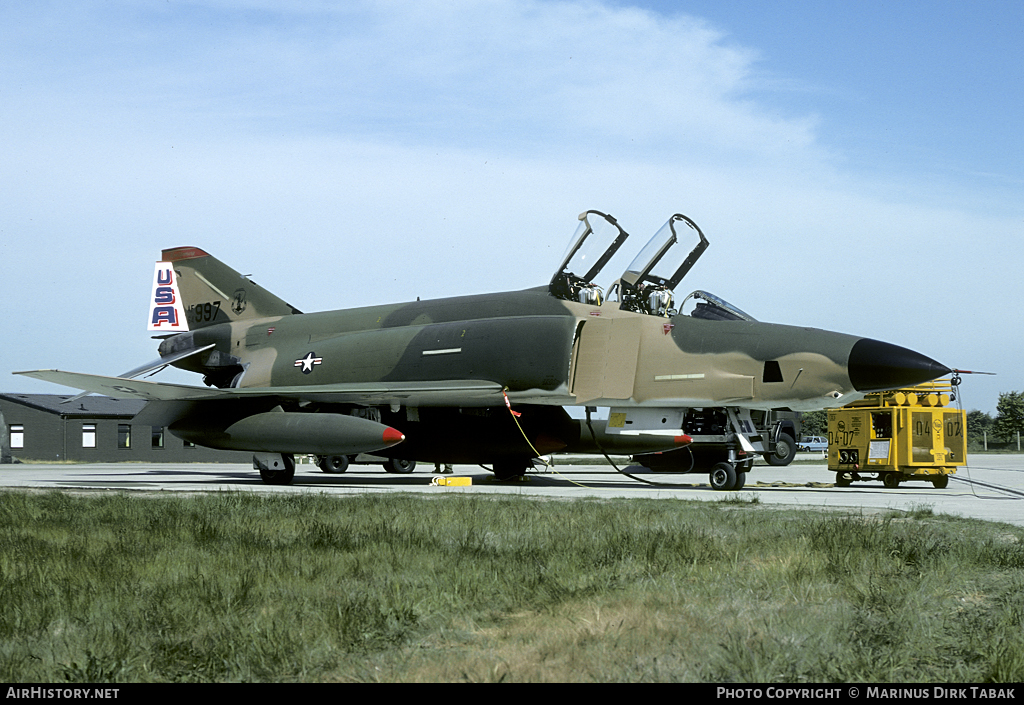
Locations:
(241, 587)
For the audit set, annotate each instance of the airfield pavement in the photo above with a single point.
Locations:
(991, 487)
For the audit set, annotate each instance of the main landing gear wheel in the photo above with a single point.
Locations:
(280, 471)
(334, 464)
(399, 466)
(509, 469)
(723, 477)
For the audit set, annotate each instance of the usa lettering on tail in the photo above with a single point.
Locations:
(166, 313)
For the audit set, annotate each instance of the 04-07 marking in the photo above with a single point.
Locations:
(842, 438)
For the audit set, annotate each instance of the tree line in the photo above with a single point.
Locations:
(1008, 421)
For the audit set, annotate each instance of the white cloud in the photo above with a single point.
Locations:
(511, 74)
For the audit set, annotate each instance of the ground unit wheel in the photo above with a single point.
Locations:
(891, 480)
(723, 476)
(940, 482)
(399, 466)
(843, 479)
(283, 476)
(334, 463)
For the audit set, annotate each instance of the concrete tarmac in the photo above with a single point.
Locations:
(990, 488)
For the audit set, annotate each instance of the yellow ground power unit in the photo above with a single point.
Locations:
(899, 435)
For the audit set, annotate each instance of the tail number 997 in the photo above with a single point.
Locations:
(202, 313)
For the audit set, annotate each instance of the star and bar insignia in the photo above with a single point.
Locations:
(307, 362)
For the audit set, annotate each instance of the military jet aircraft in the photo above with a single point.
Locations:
(487, 378)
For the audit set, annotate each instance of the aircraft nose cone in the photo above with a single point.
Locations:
(876, 366)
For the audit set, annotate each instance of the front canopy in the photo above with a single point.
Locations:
(595, 241)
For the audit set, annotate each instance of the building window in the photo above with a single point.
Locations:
(158, 437)
(17, 432)
(124, 435)
(88, 435)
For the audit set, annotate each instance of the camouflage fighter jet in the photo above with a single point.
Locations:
(486, 379)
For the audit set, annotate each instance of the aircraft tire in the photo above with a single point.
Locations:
(334, 464)
(940, 482)
(280, 477)
(399, 466)
(509, 469)
(787, 446)
(723, 476)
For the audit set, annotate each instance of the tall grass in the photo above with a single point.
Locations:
(231, 587)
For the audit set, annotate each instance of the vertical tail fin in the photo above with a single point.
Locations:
(166, 313)
(192, 289)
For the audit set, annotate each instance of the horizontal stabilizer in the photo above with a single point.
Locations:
(164, 362)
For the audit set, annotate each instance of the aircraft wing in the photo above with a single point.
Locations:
(441, 392)
(124, 388)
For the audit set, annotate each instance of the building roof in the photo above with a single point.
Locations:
(91, 406)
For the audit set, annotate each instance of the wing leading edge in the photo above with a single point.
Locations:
(434, 393)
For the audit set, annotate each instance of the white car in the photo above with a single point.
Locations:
(815, 443)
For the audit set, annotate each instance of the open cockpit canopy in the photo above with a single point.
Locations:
(647, 284)
(595, 241)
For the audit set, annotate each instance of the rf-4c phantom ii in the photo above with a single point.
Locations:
(485, 379)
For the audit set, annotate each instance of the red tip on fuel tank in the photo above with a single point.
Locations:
(683, 440)
(393, 436)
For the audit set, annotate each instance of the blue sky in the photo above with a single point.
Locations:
(857, 167)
